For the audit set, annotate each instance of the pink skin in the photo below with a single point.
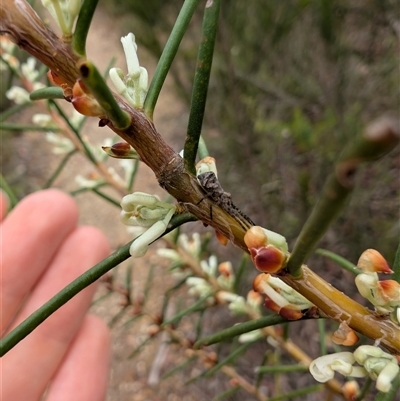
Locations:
(42, 249)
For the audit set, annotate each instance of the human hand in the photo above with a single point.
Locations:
(42, 250)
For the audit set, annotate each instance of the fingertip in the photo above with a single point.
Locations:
(96, 328)
(85, 368)
(94, 240)
(52, 201)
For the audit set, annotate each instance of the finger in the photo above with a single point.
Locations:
(4, 204)
(37, 357)
(30, 237)
(84, 370)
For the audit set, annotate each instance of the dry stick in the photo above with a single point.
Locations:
(25, 28)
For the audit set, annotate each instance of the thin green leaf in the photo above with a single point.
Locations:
(26, 127)
(117, 316)
(148, 284)
(282, 369)
(10, 193)
(342, 262)
(12, 110)
(199, 305)
(87, 150)
(78, 43)
(239, 329)
(59, 169)
(106, 197)
(97, 85)
(50, 92)
(227, 393)
(178, 368)
(200, 84)
(240, 272)
(298, 393)
(139, 348)
(321, 332)
(229, 359)
(168, 55)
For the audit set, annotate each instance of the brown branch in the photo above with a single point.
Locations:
(25, 28)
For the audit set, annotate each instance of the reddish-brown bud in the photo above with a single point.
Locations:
(83, 102)
(268, 259)
(121, 148)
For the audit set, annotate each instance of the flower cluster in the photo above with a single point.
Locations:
(144, 210)
(385, 294)
(379, 365)
(133, 86)
(217, 279)
(27, 73)
(64, 13)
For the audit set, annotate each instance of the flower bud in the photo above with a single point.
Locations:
(268, 259)
(255, 237)
(390, 290)
(290, 313)
(344, 335)
(83, 102)
(225, 268)
(351, 390)
(121, 150)
(371, 261)
(221, 238)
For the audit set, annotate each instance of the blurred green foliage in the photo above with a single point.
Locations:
(292, 83)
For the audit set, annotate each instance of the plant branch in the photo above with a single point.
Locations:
(170, 171)
(82, 27)
(200, 84)
(168, 55)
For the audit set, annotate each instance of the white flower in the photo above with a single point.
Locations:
(324, 367)
(170, 254)
(198, 286)
(87, 182)
(64, 13)
(191, 246)
(210, 267)
(43, 120)
(380, 365)
(132, 87)
(61, 144)
(18, 95)
(144, 210)
(12, 62)
(28, 69)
